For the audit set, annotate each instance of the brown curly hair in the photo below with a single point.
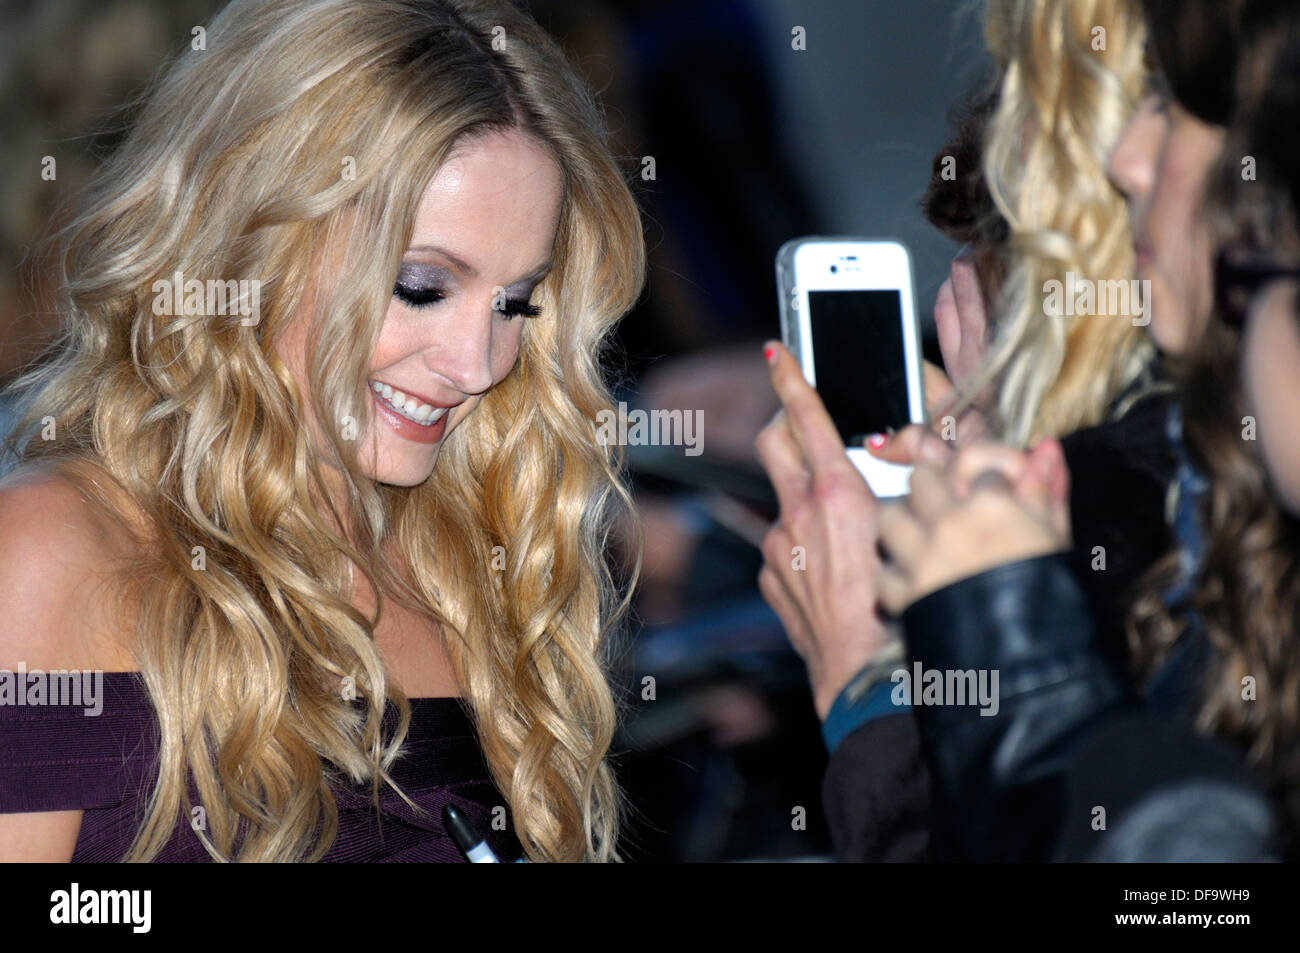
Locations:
(1247, 590)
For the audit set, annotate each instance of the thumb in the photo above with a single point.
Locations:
(915, 443)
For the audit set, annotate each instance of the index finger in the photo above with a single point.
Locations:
(812, 427)
(779, 455)
(969, 298)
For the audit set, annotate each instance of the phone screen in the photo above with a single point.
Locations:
(858, 357)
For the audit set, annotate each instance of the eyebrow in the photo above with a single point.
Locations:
(466, 269)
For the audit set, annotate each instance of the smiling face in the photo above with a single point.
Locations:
(1161, 163)
(481, 243)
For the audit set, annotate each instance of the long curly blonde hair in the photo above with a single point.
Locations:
(1072, 74)
(306, 125)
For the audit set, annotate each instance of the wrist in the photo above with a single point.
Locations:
(876, 667)
(836, 674)
(869, 695)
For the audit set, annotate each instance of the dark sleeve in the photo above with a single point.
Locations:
(998, 777)
(1120, 472)
(876, 793)
(1146, 789)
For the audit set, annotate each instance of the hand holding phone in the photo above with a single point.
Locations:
(848, 315)
(821, 563)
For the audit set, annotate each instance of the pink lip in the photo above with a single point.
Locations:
(409, 429)
(419, 397)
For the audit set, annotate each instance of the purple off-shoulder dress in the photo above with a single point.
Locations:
(55, 758)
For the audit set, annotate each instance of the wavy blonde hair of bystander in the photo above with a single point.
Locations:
(1072, 73)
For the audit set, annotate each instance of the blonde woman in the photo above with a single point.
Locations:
(338, 544)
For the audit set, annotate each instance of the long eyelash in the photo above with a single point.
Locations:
(417, 297)
(514, 308)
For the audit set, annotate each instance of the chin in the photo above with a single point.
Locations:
(1291, 503)
(1282, 469)
(402, 469)
(1285, 493)
(410, 475)
(1170, 336)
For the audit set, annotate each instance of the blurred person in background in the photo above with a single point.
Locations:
(1037, 206)
(1219, 241)
(63, 64)
(976, 556)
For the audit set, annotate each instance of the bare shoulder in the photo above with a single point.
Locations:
(57, 599)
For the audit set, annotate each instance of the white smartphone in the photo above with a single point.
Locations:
(848, 314)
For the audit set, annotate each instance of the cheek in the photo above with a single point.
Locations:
(1271, 355)
(1173, 207)
(1194, 154)
(391, 345)
(1199, 278)
(505, 348)
(1165, 329)
(1184, 255)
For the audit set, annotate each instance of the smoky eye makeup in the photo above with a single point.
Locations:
(518, 306)
(421, 285)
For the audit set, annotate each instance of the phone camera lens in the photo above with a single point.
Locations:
(834, 269)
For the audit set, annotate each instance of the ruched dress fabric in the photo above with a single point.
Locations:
(57, 758)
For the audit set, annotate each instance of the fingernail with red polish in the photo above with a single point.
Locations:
(769, 354)
(877, 440)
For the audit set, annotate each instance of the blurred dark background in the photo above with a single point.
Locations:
(753, 142)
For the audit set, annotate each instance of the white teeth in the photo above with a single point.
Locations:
(424, 414)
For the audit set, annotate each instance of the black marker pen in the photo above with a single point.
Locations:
(474, 847)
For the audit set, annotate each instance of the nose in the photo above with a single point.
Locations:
(461, 352)
(1132, 162)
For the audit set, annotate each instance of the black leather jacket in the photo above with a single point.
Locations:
(1071, 747)
(1070, 736)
